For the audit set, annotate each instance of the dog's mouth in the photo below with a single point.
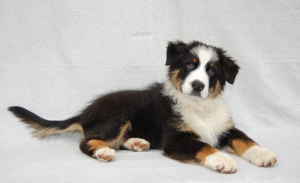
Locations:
(195, 94)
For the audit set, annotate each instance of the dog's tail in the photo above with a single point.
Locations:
(43, 128)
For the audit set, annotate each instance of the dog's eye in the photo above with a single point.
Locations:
(190, 66)
(211, 72)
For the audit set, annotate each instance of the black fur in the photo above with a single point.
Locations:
(230, 69)
(175, 50)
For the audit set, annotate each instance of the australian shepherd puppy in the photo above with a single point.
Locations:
(186, 115)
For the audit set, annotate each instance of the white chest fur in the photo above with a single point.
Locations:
(208, 118)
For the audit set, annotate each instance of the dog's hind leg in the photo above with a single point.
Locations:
(136, 144)
(97, 149)
(103, 146)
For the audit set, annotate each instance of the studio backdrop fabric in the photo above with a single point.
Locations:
(57, 56)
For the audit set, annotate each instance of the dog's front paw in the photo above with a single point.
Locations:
(221, 162)
(105, 154)
(260, 156)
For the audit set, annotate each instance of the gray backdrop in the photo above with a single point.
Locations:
(56, 56)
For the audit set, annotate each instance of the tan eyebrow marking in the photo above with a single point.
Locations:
(194, 60)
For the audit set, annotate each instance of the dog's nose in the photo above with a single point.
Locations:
(197, 86)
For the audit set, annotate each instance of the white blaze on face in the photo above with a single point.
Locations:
(205, 54)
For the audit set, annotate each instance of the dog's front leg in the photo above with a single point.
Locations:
(185, 147)
(237, 142)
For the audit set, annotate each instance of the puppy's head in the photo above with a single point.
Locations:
(199, 70)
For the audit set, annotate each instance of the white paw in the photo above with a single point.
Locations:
(137, 144)
(260, 156)
(105, 154)
(221, 162)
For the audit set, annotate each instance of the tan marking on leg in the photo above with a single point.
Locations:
(204, 152)
(240, 146)
(95, 144)
(116, 143)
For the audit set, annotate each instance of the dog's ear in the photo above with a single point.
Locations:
(230, 68)
(174, 51)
